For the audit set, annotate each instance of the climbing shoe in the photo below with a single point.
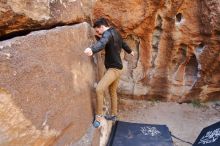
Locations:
(111, 117)
(96, 123)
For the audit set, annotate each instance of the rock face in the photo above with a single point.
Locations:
(46, 87)
(46, 82)
(23, 15)
(177, 45)
(176, 42)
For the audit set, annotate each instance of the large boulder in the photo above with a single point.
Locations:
(26, 15)
(46, 87)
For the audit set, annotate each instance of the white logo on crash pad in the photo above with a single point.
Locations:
(210, 137)
(152, 131)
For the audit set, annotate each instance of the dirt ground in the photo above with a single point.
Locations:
(185, 121)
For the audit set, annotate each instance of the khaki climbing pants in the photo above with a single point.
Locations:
(110, 80)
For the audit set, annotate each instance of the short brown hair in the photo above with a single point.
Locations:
(99, 22)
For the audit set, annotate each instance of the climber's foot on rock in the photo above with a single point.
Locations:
(97, 121)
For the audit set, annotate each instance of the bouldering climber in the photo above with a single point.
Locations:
(112, 42)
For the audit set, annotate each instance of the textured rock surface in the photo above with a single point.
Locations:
(46, 80)
(177, 45)
(19, 15)
(46, 87)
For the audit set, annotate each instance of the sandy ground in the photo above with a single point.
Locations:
(183, 120)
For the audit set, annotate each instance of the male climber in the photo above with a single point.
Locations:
(112, 42)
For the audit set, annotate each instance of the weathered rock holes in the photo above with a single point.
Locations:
(179, 17)
(200, 48)
(180, 56)
(156, 38)
(183, 47)
(187, 66)
(157, 33)
(191, 71)
(134, 42)
(178, 62)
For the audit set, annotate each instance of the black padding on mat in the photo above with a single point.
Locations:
(136, 134)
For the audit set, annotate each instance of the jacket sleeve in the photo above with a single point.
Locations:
(126, 47)
(99, 45)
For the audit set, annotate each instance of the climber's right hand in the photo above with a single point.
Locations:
(88, 52)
